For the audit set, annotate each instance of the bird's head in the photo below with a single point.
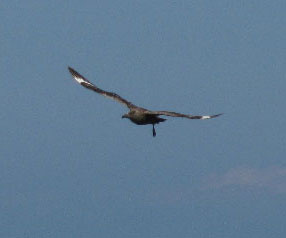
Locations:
(125, 116)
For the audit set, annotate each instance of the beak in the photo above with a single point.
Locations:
(124, 116)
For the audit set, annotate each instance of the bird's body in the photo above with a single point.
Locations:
(137, 115)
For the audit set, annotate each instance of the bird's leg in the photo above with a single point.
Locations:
(154, 132)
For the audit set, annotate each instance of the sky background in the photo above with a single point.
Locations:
(71, 167)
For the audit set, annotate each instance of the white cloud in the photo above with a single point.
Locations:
(272, 178)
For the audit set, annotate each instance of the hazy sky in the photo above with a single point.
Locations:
(71, 167)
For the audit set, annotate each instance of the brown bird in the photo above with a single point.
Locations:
(137, 115)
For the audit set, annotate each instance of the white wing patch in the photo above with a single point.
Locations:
(205, 117)
(81, 80)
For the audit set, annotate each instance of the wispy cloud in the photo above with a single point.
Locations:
(271, 178)
(241, 180)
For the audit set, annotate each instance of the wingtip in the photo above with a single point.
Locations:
(72, 71)
(210, 117)
(77, 76)
(217, 115)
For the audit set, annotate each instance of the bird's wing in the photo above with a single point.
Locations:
(84, 82)
(175, 114)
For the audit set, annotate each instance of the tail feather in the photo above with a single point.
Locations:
(161, 119)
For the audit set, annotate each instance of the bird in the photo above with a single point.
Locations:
(137, 115)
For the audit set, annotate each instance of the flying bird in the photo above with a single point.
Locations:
(137, 115)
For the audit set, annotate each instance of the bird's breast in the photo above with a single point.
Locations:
(139, 119)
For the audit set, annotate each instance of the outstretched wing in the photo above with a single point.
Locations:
(84, 82)
(175, 114)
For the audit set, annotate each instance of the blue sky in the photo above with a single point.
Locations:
(71, 167)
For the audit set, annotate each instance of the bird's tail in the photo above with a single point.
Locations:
(161, 119)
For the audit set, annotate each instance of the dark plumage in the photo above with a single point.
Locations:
(137, 115)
